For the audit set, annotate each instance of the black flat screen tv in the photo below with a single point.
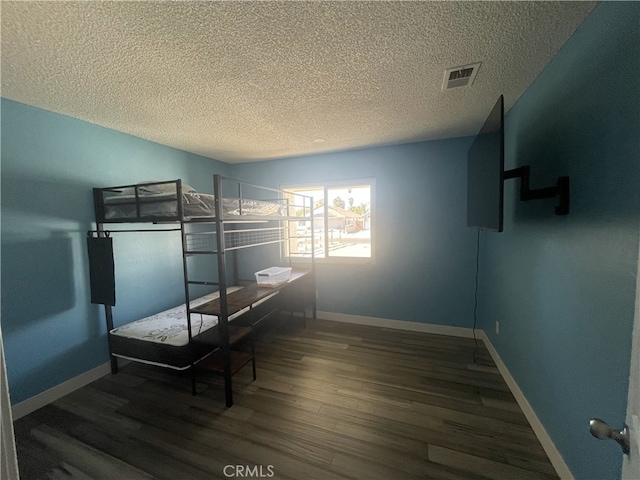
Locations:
(485, 173)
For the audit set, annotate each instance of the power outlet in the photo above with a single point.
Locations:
(497, 328)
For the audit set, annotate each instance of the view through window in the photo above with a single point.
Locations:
(342, 219)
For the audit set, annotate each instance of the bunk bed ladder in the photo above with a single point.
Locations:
(224, 347)
(187, 282)
(187, 295)
(222, 359)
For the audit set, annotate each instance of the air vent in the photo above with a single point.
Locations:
(460, 77)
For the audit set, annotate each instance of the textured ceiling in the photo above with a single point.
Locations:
(246, 81)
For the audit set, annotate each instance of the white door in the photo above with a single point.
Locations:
(631, 462)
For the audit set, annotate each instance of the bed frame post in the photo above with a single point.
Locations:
(109, 318)
(108, 313)
(223, 320)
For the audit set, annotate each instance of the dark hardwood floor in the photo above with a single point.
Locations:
(332, 401)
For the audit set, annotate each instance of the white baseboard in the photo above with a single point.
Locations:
(398, 324)
(54, 393)
(545, 440)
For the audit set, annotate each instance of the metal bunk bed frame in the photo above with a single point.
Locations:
(226, 241)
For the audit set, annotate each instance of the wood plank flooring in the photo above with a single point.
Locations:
(332, 401)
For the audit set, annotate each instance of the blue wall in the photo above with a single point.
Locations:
(50, 162)
(424, 254)
(563, 288)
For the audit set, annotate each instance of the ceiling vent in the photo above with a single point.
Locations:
(460, 77)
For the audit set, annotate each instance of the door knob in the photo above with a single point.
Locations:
(602, 430)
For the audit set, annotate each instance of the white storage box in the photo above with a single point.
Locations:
(273, 276)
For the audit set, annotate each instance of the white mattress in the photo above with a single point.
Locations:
(195, 205)
(170, 327)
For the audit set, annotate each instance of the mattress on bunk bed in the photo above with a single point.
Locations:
(158, 204)
(163, 339)
(160, 201)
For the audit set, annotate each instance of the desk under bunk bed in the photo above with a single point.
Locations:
(204, 332)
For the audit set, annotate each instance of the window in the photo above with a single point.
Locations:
(342, 222)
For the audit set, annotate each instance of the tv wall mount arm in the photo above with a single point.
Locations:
(561, 189)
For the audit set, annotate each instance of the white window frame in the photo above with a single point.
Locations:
(326, 186)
